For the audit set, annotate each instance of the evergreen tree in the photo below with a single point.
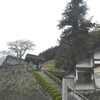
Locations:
(75, 35)
(50, 53)
(95, 33)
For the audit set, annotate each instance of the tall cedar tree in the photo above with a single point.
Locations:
(75, 35)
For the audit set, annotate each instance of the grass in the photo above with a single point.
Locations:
(50, 65)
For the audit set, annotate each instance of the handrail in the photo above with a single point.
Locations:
(70, 88)
(77, 93)
(57, 80)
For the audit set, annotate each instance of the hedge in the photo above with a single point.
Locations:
(58, 98)
(55, 95)
(52, 91)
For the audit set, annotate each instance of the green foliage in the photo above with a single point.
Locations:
(50, 89)
(75, 40)
(49, 65)
(53, 91)
(50, 53)
(55, 95)
(96, 36)
(65, 58)
(46, 85)
(58, 98)
(74, 16)
(57, 73)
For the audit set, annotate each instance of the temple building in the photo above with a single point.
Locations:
(36, 60)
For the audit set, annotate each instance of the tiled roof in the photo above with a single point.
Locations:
(34, 57)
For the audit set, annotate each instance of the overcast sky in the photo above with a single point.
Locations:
(35, 20)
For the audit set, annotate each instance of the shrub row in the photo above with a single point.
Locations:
(52, 91)
(57, 80)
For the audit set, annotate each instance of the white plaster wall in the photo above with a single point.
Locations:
(97, 76)
(96, 62)
(97, 55)
(97, 69)
(88, 86)
(70, 82)
(85, 87)
(97, 83)
(85, 63)
(91, 61)
(64, 90)
(92, 76)
(40, 65)
(67, 81)
(76, 77)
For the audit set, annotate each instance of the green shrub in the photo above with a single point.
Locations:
(58, 98)
(43, 83)
(53, 91)
(50, 89)
(55, 95)
(47, 86)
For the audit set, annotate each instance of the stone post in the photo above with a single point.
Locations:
(64, 90)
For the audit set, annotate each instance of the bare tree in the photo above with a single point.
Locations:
(19, 47)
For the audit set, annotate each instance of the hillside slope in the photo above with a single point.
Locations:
(16, 83)
(49, 65)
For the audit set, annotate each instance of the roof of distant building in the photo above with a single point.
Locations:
(31, 57)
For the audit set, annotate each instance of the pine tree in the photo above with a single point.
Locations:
(75, 31)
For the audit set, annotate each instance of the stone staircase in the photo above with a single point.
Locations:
(59, 88)
(73, 95)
